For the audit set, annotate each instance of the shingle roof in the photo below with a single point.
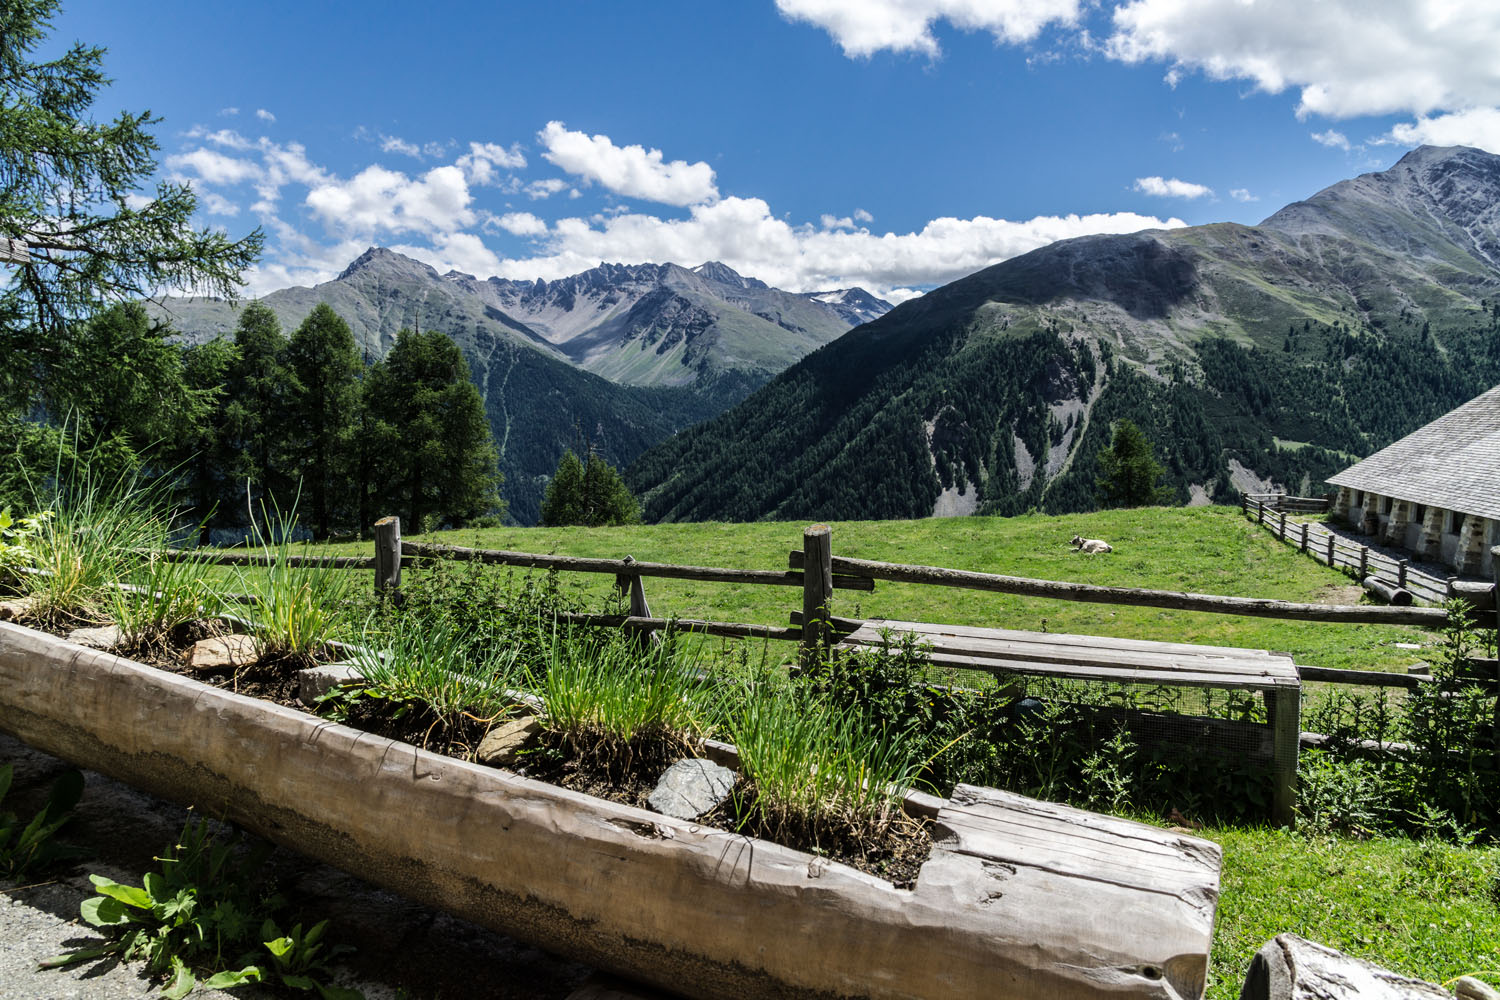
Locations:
(1452, 463)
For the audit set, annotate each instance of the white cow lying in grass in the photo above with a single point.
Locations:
(1091, 544)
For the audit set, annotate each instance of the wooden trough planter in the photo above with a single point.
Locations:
(1020, 899)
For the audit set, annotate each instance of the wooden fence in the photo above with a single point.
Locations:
(1386, 574)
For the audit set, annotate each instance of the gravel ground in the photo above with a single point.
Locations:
(404, 951)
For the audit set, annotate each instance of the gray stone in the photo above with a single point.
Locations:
(691, 788)
(314, 682)
(501, 744)
(15, 609)
(222, 652)
(100, 637)
(1469, 988)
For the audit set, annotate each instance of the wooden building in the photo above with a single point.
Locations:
(1434, 493)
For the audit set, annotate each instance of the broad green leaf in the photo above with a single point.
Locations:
(182, 983)
(156, 887)
(102, 911)
(279, 946)
(229, 977)
(299, 982)
(81, 955)
(128, 894)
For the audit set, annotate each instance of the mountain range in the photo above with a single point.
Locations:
(1253, 356)
(618, 357)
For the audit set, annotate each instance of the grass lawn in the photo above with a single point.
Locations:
(1212, 550)
(1424, 909)
(1427, 910)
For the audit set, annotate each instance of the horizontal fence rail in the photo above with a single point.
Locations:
(1256, 607)
(620, 567)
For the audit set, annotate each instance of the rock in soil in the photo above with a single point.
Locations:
(224, 652)
(15, 609)
(1469, 988)
(501, 744)
(314, 682)
(103, 637)
(692, 787)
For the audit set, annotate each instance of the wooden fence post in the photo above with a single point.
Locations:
(817, 590)
(1285, 706)
(1330, 550)
(1245, 504)
(1401, 573)
(388, 554)
(631, 582)
(1304, 536)
(1260, 512)
(1364, 561)
(1283, 525)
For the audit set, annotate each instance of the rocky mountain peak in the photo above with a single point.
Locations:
(723, 274)
(380, 261)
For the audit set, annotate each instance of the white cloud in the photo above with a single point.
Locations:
(264, 115)
(228, 112)
(1171, 188)
(743, 233)
(633, 170)
(396, 144)
(521, 224)
(864, 27)
(377, 199)
(484, 161)
(1349, 57)
(211, 167)
(1475, 127)
(538, 190)
(1242, 194)
(433, 216)
(216, 204)
(1332, 139)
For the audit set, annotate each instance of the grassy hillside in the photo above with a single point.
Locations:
(1204, 549)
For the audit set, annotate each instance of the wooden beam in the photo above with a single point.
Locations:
(817, 591)
(388, 554)
(577, 564)
(14, 251)
(728, 630)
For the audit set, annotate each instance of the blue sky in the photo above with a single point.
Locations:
(895, 144)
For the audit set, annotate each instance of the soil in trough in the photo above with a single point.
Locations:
(896, 854)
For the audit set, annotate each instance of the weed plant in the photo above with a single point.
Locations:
(615, 702)
(28, 848)
(205, 918)
(816, 771)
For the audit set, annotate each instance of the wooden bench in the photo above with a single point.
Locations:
(1123, 661)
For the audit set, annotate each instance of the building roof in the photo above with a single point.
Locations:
(1452, 463)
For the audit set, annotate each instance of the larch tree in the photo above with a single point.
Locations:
(68, 189)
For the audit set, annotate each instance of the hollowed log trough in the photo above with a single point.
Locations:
(1020, 899)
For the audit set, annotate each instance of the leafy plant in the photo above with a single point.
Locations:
(198, 921)
(90, 542)
(815, 769)
(1107, 772)
(1337, 794)
(31, 847)
(430, 665)
(14, 537)
(169, 588)
(606, 697)
(298, 607)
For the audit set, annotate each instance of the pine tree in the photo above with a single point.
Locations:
(322, 414)
(588, 493)
(433, 457)
(1129, 470)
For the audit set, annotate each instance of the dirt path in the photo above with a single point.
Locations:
(404, 951)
